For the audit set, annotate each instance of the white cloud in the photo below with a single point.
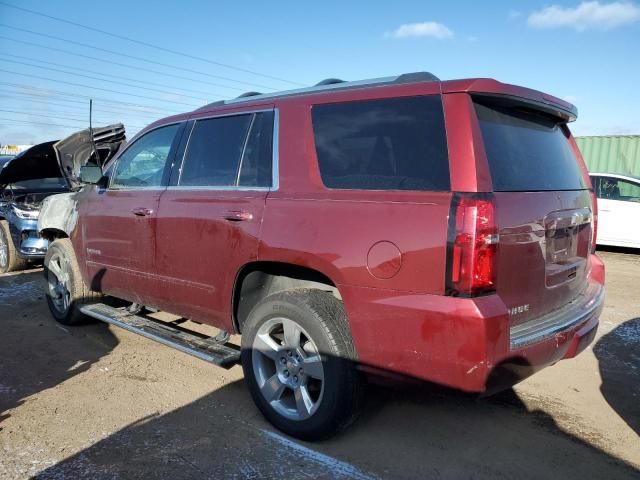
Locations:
(424, 29)
(587, 15)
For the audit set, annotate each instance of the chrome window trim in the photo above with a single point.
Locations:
(275, 153)
(126, 148)
(197, 116)
(131, 189)
(244, 148)
(275, 160)
(220, 189)
(184, 154)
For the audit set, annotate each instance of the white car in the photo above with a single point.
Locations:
(618, 209)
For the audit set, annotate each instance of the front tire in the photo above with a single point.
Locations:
(9, 260)
(298, 360)
(66, 291)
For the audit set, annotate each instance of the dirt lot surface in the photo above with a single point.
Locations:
(97, 402)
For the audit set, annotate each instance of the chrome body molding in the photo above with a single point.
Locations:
(586, 305)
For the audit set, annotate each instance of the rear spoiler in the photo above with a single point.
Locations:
(565, 112)
(526, 97)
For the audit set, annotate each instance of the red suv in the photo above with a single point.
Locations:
(439, 230)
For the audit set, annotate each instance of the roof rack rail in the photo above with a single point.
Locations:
(328, 81)
(331, 84)
(416, 77)
(249, 94)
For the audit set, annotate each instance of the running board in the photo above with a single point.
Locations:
(193, 343)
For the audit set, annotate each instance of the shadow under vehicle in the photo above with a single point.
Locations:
(31, 176)
(619, 364)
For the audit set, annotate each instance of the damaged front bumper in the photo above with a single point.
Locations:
(28, 242)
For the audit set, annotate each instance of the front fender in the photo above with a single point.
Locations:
(59, 212)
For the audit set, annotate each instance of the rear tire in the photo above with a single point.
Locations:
(9, 259)
(66, 291)
(299, 360)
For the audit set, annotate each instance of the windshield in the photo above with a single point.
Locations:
(40, 184)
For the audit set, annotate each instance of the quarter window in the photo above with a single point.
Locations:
(233, 151)
(143, 163)
(390, 144)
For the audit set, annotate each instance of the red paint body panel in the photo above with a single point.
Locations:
(400, 318)
(311, 233)
(196, 248)
(467, 158)
(455, 342)
(524, 275)
(118, 247)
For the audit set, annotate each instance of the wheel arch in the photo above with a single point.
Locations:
(58, 215)
(257, 280)
(52, 233)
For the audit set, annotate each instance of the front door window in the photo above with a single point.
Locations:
(144, 163)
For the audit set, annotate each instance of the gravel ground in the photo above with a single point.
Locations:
(96, 402)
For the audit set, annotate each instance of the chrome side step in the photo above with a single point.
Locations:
(193, 343)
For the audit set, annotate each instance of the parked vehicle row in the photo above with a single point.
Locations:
(405, 226)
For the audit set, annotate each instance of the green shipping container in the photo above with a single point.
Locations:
(611, 153)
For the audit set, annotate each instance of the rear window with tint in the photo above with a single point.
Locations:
(390, 144)
(527, 151)
(231, 151)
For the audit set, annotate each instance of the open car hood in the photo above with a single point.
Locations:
(37, 162)
(63, 158)
(76, 150)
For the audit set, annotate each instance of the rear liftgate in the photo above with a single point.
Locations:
(209, 349)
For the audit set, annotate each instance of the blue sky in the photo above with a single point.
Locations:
(585, 52)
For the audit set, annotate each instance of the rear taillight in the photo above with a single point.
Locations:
(594, 221)
(473, 245)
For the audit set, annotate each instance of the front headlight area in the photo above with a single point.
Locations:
(25, 214)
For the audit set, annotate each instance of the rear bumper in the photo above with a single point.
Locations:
(465, 343)
(575, 313)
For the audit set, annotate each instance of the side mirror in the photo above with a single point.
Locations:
(91, 174)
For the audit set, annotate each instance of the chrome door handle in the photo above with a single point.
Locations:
(141, 211)
(237, 216)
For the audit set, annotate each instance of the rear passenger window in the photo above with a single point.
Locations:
(257, 161)
(231, 151)
(390, 144)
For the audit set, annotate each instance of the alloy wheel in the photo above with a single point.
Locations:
(288, 368)
(58, 283)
